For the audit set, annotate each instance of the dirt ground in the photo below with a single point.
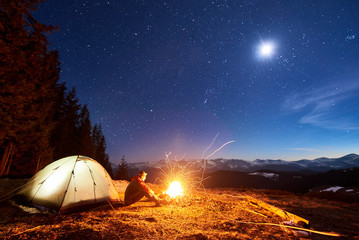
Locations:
(200, 214)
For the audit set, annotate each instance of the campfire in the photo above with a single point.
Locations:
(174, 190)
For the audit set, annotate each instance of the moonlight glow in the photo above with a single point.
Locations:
(266, 49)
(167, 76)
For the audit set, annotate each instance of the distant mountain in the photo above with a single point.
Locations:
(322, 164)
(293, 182)
(293, 176)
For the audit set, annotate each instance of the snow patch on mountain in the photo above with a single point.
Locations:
(318, 165)
(332, 189)
(272, 176)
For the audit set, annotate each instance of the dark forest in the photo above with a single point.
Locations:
(40, 119)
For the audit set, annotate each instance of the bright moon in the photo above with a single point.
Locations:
(266, 49)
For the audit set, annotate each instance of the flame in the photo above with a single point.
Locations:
(174, 190)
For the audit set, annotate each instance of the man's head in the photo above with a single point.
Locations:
(142, 175)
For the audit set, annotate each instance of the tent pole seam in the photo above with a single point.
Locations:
(54, 170)
(68, 184)
(24, 187)
(94, 183)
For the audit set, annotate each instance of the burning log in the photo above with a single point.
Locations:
(173, 193)
(174, 190)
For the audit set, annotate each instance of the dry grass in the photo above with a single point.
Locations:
(205, 214)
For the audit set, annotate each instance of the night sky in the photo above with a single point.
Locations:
(280, 78)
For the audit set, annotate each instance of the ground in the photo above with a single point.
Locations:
(200, 214)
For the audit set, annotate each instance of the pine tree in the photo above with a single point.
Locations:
(122, 172)
(29, 73)
(86, 144)
(74, 135)
(65, 137)
(100, 148)
(39, 121)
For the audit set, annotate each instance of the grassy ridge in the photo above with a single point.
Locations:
(204, 214)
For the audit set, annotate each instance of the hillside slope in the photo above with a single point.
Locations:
(288, 181)
(201, 214)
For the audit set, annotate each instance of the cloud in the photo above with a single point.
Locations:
(327, 106)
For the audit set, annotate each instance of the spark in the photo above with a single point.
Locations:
(214, 139)
(191, 174)
(219, 149)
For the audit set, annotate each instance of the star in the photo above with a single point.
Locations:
(155, 71)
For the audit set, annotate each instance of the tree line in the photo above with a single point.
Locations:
(40, 119)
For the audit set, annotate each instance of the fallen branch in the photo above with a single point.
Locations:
(332, 234)
(29, 230)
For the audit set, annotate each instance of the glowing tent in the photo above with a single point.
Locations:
(67, 184)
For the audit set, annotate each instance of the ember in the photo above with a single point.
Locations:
(174, 190)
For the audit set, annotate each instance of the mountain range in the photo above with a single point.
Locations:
(322, 164)
(293, 176)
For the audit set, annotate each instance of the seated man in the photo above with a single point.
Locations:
(137, 189)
